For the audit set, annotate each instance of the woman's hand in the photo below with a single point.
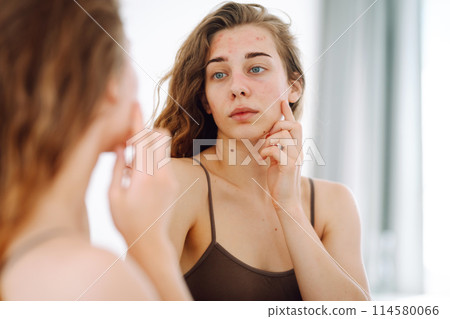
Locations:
(141, 209)
(143, 204)
(283, 146)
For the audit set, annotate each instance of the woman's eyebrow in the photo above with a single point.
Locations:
(219, 59)
(255, 54)
(249, 55)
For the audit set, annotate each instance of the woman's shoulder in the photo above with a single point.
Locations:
(334, 202)
(192, 194)
(337, 193)
(70, 268)
(190, 176)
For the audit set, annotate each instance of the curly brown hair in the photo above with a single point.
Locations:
(55, 62)
(183, 114)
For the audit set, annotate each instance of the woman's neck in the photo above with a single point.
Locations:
(238, 161)
(62, 204)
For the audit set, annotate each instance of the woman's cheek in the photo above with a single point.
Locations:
(219, 119)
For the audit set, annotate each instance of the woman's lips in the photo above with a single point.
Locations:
(242, 113)
(242, 116)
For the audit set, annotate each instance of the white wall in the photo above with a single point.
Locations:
(436, 151)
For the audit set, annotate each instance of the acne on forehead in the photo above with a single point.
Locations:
(219, 36)
(227, 37)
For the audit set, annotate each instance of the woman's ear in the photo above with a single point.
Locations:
(296, 90)
(112, 90)
(110, 97)
(205, 104)
(137, 123)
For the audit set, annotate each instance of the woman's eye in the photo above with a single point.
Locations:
(219, 75)
(256, 69)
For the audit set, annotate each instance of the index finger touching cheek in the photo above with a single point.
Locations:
(286, 111)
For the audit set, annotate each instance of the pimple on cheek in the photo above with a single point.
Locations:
(261, 38)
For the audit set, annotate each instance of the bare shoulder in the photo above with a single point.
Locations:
(335, 204)
(114, 277)
(191, 200)
(337, 195)
(187, 166)
(70, 269)
(190, 175)
(192, 181)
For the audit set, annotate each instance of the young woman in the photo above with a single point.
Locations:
(67, 94)
(253, 228)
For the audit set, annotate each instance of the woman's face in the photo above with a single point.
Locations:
(245, 82)
(123, 106)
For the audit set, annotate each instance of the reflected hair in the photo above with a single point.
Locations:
(55, 62)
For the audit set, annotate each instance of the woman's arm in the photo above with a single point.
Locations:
(141, 212)
(330, 269)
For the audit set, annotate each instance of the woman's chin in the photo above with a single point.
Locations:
(247, 135)
(255, 134)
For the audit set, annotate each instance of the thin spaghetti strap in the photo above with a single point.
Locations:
(311, 183)
(211, 210)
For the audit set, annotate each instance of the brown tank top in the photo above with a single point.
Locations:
(218, 275)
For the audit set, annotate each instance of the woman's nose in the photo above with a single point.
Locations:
(239, 86)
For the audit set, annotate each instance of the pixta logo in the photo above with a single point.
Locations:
(309, 148)
(144, 146)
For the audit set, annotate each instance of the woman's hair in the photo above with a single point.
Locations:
(55, 62)
(183, 109)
